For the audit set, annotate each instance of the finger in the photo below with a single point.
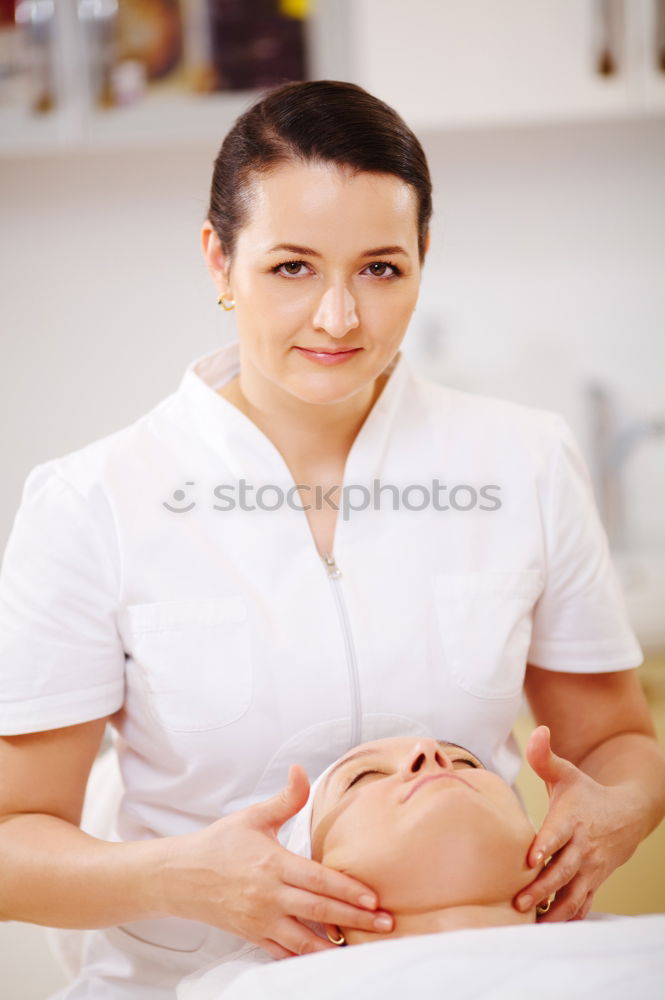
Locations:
(583, 912)
(302, 873)
(323, 910)
(275, 811)
(543, 760)
(554, 878)
(275, 949)
(297, 939)
(555, 833)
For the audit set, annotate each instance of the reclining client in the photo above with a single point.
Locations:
(440, 838)
(444, 842)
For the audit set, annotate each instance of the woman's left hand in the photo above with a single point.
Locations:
(589, 830)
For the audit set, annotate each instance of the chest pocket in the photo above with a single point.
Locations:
(485, 623)
(193, 661)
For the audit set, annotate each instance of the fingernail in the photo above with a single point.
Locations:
(538, 856)
(383, 923)
(369, 902)
(524, 903)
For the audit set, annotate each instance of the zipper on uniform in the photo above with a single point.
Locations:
(334, 575)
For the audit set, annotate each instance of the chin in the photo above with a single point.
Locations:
(322, 391)
(415, 874)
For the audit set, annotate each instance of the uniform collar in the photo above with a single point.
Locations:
(246, 450)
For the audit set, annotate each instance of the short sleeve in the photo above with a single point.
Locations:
(580, 620)
(61, 656)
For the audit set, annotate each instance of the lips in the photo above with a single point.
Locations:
(320, 350)
(436, 777)
(328, 357)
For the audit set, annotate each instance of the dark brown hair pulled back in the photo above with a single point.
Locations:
(314, 121)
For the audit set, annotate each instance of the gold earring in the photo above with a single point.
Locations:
(340, 940)
(223, 304)
(544, 908)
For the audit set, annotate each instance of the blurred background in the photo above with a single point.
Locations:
(544, 125)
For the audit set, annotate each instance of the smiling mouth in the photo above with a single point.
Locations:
(436, 777)
(316, 350)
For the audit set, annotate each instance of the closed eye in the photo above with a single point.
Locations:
(466, 760)
(359, 776)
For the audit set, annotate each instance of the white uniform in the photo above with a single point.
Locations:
(223, 646)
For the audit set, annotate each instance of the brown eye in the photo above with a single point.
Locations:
(383, 272)
(290, 268)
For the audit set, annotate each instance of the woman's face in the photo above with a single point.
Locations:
(423, 823)
(326, 264)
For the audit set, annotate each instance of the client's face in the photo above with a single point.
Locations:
(424, 823)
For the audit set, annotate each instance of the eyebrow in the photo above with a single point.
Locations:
(308, 252)
(370, 751)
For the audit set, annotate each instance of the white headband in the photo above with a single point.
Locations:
(299, 838)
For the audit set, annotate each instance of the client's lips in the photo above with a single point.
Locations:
(435, 777)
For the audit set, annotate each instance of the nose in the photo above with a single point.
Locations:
(426, 755)
(336, 312)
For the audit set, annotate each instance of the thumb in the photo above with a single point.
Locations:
(275, 811)
(543, 760)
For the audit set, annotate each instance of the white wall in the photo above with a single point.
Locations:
(548, 271)
(547, 267)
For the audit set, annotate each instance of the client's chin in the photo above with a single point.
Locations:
(443, 877)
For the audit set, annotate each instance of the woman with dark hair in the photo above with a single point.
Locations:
(350, 552)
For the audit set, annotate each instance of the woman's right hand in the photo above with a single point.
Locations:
(235, 875)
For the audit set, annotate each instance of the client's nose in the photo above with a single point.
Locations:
(425, 755)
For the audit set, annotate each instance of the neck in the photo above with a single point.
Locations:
(452, 918)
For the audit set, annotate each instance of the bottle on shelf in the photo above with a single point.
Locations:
(257, 44)
(98, 21)
(36, 22)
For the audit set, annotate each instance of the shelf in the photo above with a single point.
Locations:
(162, 119)
(443, 64)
